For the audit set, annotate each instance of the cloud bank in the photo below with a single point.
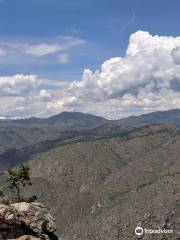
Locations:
(146, 79)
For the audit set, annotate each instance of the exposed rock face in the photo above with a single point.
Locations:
(26, 221)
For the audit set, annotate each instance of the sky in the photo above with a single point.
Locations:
(110, 58)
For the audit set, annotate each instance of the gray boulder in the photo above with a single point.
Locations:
(26, 221)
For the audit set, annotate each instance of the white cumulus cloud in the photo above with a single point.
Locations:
(18, 85)
(148, 63)
(146, 79)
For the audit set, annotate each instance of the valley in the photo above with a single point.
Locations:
(101, 181)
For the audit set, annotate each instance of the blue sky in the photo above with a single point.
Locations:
(104, 25)
(111, 58)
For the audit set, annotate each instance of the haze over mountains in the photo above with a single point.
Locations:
(71, 119)
(21, 139)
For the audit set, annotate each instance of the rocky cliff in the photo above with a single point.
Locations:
(26, 221)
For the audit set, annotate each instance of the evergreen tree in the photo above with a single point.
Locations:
(18, 179)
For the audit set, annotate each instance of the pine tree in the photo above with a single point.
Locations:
(18, 179)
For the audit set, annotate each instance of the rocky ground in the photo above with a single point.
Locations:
(26, 221)
(104, 189)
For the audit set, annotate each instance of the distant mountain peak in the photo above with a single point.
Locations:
(169, 116)
(74, 113)
(76, 118)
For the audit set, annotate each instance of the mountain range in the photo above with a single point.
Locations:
(101, 178)
(21, 139)
(104, 188)
(73, 119)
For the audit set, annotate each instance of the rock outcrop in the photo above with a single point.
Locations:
(26, 221)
